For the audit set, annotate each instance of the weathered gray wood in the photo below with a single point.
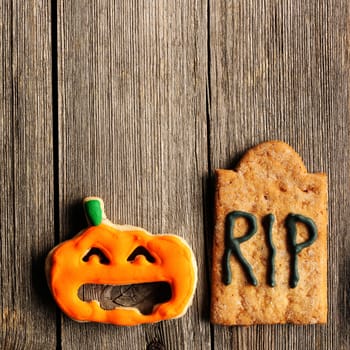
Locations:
(26, 175)
(132, 129)
(279, 70)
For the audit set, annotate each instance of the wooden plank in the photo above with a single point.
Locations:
(26, 175)
(132, 130)
(279, 71)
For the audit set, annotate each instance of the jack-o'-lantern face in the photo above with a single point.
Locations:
(116, 256)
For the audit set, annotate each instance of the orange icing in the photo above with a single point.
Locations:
(174, 263)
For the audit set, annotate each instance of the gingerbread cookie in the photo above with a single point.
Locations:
(141, 278)
(270, 241)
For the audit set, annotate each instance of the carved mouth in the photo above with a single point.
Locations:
(142, 296)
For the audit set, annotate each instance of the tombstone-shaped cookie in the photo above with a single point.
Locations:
(270, 240)
(121, 274)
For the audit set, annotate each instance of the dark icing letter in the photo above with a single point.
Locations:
(296, 248)
(232, 246)
(268, 222)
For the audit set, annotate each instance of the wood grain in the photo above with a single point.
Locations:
(279, 70)
(151, 97)
(132, 129)
(26, 175)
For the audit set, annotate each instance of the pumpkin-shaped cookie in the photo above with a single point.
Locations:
(122, 257)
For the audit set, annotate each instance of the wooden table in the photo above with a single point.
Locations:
(138, 102)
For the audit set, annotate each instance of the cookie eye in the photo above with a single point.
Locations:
(98, 252)
(141, 251)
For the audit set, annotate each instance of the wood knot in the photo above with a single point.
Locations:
(155, 345)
